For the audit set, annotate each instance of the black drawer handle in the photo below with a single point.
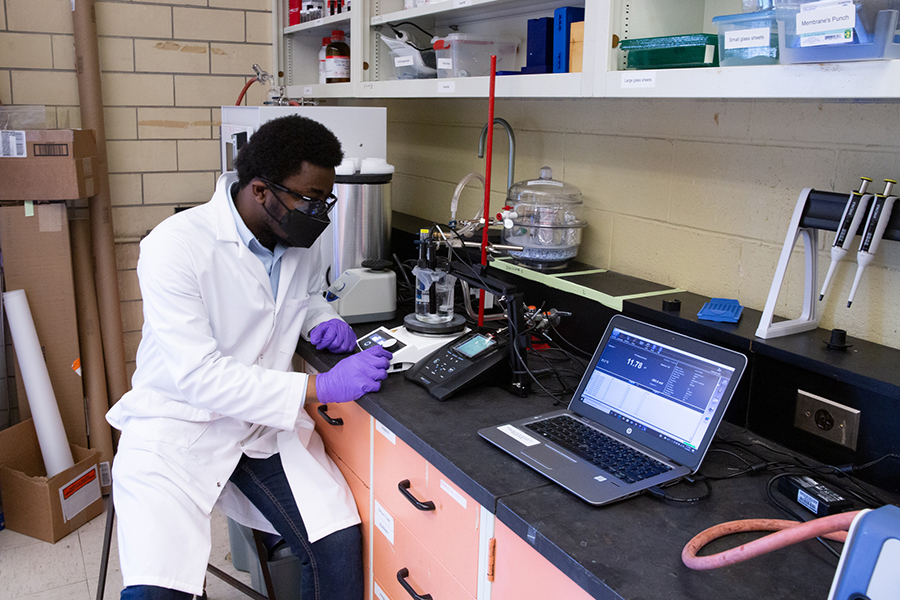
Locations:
(403, 486)
(402, 574)
(323, 410)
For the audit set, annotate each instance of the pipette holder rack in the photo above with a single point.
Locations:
(815, 210)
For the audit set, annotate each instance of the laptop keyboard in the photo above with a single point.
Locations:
(609, 454)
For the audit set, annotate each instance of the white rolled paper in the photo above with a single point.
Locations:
(48, 423)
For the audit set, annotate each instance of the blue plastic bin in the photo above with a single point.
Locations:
(861, 32)
(748, 39)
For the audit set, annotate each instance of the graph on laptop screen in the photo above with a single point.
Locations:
(658, 389)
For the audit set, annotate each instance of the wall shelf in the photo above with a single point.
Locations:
(372, 66)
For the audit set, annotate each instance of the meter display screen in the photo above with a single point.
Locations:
(475, 345)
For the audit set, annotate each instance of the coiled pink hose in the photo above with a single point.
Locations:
(833, 527)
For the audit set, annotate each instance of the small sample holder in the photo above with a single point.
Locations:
(815, 210)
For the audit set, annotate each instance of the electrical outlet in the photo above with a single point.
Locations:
(827, 419)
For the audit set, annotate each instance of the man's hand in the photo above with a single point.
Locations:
(354, 376)
(334, 335)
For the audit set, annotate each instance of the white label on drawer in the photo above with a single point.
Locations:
(379, 593)
(403, 61)
(384, 522)
(446, 87)
(453, 493)
(827, 22)
(445, 64)
(747, 38)
(379, 427)
(638, 80)
(377, 19)
(518, 435)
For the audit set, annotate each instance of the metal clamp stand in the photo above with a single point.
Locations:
(476, 276)
(815, 210)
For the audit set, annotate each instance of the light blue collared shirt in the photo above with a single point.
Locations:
(271, 260)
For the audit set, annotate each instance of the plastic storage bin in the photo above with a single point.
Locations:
(748, 39)
(839, 30)
(668, 52)
(409, 62)
(467, 55)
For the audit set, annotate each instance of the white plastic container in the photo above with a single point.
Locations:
(408, 62)
(469, 55)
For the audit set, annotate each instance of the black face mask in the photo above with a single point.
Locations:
(301, 230)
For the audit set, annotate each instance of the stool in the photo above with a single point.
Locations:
(261, 551)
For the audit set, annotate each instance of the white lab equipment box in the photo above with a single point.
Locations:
(361, 130)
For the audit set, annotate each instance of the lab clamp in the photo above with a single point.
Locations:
(817, 210)
(435, 278)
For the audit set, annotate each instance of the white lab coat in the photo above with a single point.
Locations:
(215, 359)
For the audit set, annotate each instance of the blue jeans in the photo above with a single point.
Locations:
(331, 567)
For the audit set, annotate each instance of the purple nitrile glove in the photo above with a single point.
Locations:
(334, 335)
(354, 376)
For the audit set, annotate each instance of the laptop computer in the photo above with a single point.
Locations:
(653, 400)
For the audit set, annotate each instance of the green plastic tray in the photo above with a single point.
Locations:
(673, 51)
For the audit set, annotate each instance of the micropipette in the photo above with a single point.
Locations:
(854, 211)
(877, 221)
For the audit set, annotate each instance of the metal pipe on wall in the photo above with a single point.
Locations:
(87, 69)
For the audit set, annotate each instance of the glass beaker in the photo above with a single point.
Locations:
(434, 295)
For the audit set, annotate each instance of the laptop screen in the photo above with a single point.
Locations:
(665, 391)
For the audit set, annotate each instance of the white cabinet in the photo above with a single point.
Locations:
(373, 72)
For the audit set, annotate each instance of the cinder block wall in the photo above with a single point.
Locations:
(168, 67)
(691, 193)
(696, 194)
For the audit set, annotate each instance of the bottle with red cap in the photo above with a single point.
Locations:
(337, 59)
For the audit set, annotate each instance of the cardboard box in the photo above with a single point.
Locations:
(576, 47)
(46, 508)
(37, 258)
(48, 164)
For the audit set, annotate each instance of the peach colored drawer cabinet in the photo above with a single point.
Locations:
(423, 536)
(346, 432)
(521, 573)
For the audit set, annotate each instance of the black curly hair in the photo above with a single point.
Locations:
(278, 149)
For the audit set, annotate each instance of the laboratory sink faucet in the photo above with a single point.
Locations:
(510, 175)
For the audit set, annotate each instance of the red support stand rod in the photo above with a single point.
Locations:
(489, 153)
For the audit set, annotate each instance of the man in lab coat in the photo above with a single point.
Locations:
(215, 416)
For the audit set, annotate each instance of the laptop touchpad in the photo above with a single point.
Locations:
(548, 457)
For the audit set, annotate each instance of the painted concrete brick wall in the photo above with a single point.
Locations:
(696, 194)
(167, 68)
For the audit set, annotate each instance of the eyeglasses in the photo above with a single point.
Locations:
(313, 207)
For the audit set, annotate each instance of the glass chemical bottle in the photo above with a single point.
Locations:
(337, 59)
(322, 53)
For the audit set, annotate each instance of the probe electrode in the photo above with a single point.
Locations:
(854, 211)
(877, 221)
